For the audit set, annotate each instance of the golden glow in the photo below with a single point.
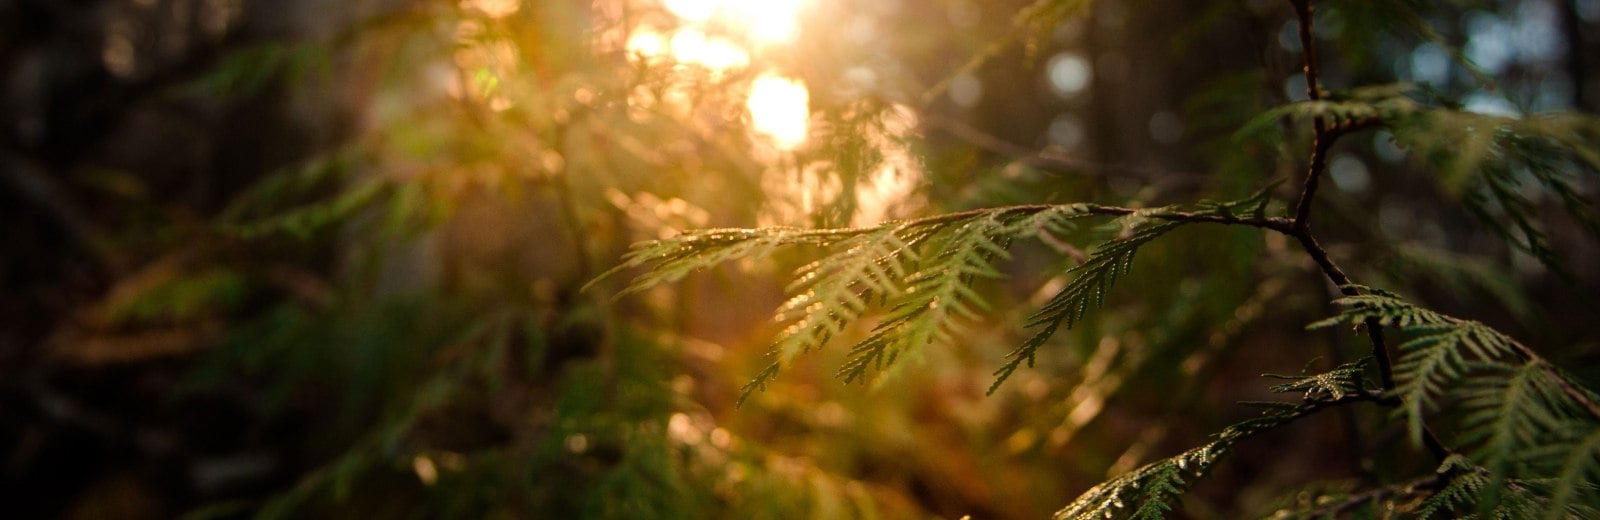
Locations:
(779, 109)
(692, 10)
(700, 39)
(890, 191)
(764, 21)
(767, 21)
(494, 8)
(716, 53)
(480, 67)
(792, 197)
(646, 41)
(425, 469)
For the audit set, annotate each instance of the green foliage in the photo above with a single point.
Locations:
(1465, 277)
(1087, 289)
(1153, 489)
(1498, 167)
(922, 271)
(622, 441)
(1345, 380)
(1518, 417)
(1365, 24)
(935, 296)
(248, 71)
(1443, 352)
(1467, 486)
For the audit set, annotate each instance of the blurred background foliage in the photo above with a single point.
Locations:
(308, 258)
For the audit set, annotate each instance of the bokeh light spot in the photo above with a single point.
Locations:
(1069, 74)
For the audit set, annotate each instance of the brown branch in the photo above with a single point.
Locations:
(1322, 140)
(1429, 485)
(1278, 224)
(1567, 386)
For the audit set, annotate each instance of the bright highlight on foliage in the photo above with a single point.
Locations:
(779, 109)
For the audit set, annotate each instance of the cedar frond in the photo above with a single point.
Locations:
(923, 271)
(1496, 166)
(1344, 380)
(830, 293)
(936, 296)
(1524, 425)
(1578, 482)
(672, 259)
(1504, 414)
(1154, 488)
(1088, 288)
(1440, 354)
(1367, 22)
(1465, 489)
(1367, 105)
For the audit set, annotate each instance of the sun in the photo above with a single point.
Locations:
(724, 36)
(780, 109)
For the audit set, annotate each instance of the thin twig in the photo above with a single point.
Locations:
(1278, 224)
(1429, 484)
(1321, 140)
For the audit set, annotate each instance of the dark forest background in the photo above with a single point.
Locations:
(311, 258)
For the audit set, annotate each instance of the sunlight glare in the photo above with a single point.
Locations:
(692, 10)
(494, 8)
(779, 109)
(765, 22)
(647, 42)
(691, 46)
(769, 21)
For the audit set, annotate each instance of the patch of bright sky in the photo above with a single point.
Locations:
(1430, 63)
(1490, 104)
